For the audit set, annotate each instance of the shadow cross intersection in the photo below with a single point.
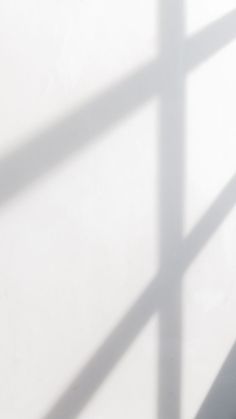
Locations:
(164, 77)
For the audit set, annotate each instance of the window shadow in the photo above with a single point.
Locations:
(156, 295)
(220, 402)
(52, 147)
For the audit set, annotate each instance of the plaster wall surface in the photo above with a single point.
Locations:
(117, 209)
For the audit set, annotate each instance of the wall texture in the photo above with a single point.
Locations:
(117, 215)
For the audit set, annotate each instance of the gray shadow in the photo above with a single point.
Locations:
(180, 57)
(171, 201)
(96, 371)
(211, 220)
(221, 401)
(210, 40)
(51, 147)
(156, 295)
(55, 145)
(176, 254)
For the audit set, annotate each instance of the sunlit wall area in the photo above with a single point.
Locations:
(117, 209)
(79, 208)
(210, 217)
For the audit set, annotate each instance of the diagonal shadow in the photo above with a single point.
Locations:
(107, 356)
(210, 40)
(211, 221)
(220, 402)
(53, 146)
(26, 164)
(167, 291)
(32, 160)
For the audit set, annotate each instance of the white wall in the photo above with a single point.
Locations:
(117, 218)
